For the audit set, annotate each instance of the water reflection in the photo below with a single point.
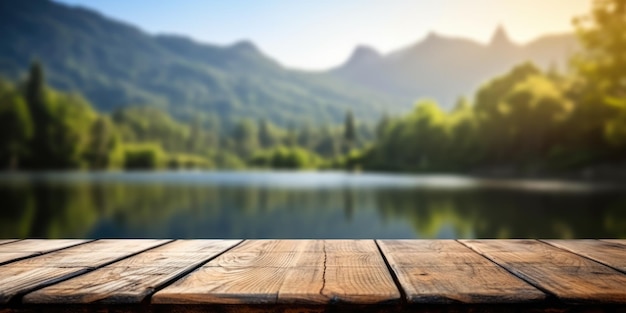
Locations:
(302, 205)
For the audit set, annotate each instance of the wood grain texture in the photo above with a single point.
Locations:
(351, 271)
(570, 277)
(615, 241)
(609, 253)
(26, 275)
(5, 241)
(288, 271)
(249, 273)
(316, 276)
(17, 250)
(131, 280)
(445, 271)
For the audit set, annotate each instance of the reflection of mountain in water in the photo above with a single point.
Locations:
(118, 208)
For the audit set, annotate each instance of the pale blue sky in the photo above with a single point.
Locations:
(318, 34)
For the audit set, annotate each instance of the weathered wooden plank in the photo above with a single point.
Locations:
(5, 241)
(26, 275)
(445, 271)
(131, 280)
(287, 271)
(616, 241)
(351, 271)
(249, 273)
(18, 250)
(609, 253)
(265, 253)
(570, 277)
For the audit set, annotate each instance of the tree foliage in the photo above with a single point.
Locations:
(16, 129)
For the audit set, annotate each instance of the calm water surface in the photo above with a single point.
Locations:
(303, 205)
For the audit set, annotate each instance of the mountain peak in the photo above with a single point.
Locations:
(244, 45)
(364, 54)
(432, 35)
(363, 51)
(500, 37)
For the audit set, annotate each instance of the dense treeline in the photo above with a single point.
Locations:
(526, 120)
(46, 129)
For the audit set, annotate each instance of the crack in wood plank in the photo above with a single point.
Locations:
(324, 273)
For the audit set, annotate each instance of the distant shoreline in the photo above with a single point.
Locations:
(593, 174)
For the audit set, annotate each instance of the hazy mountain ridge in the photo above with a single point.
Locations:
(115, 65)
(445, 68)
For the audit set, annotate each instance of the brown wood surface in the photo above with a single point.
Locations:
(288, 271)
(609, 253)
(313, 275)
(18, 250)
(4, 241)
(570, 277)
(132, 279)
(351, 271)
(448, 272)
(616, 241)
(22, 276)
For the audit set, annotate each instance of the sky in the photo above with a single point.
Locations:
(320, 34)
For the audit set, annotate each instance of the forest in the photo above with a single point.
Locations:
(527, 120)
(47, 129)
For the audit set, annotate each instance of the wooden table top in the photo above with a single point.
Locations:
(312, 275)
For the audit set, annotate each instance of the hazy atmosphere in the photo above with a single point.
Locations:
(322, 34)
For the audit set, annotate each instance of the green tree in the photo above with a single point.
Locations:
(535, 110)
(285, 158)
(144, 156)
(16, 129)
(328, 145)
(246, 137)
(267, 135)
(602, 62)
(197, 136)
(382, 126)
(61, 122)
(307, 137)
(68, 131)
(601, 65)
(104, 149)
(465, 148)
(496, 131)
(35, 94)
(349, 131)
(417, 141)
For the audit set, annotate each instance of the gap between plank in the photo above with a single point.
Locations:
(550, 296)
(43, 253)
(148, 298)
(583, 256)
(10, 241)
(17, 299)
(403, 297)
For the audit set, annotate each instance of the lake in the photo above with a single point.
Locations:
(303, 205)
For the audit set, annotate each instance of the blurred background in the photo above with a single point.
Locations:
(327, 119)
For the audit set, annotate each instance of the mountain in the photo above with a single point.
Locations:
(445, 68)
(115, 65)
